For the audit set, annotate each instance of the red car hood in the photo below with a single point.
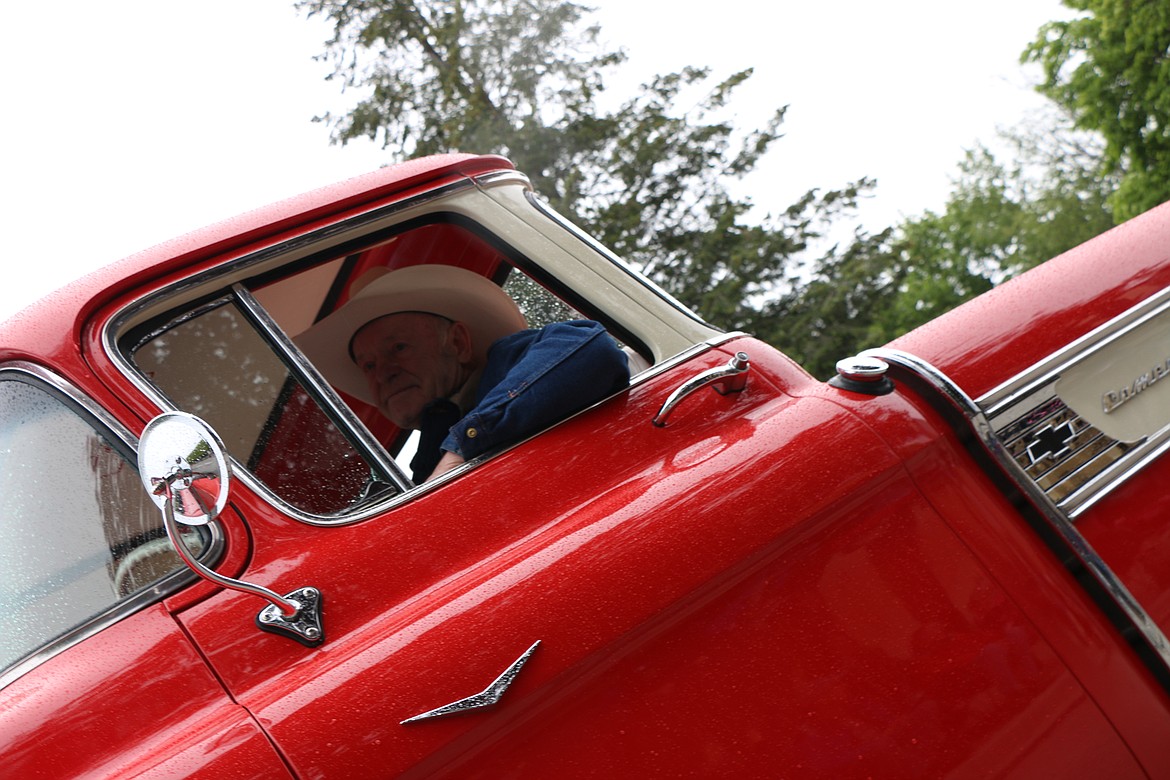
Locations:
(990, 339)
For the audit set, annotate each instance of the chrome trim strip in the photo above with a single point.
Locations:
(497, 178)
(239, 268)
(241, 265)
(74, 394)
(1138, 618)
(1104, 483)
(937, 379)
(136, 602)
(239, 470)
(1035, 381)
(684, 357)
(187, 316)
(308, 243)
(1036, 376)
(656, 370)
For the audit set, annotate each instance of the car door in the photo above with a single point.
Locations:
(753, 581)
(655, 616)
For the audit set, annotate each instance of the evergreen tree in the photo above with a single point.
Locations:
(525, 78)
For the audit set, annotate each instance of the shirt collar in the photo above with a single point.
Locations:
(464, 397)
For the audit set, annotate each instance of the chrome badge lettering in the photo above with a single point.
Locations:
(1113, 399)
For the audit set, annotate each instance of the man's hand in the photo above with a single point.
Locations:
(449, 461)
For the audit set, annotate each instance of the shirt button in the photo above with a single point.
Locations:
(472, 433)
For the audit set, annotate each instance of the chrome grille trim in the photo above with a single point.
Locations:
(1043, 372)
(1069, 460)
(1082, 483)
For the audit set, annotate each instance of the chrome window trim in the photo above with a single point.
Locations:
(1151, 635)
(673, 362)
(241, 471)
(497, 178)
(545, 209)
(104, 423)
(228, 273)
(225, 274)
(316, 386)
(655, 370)
(652, 321)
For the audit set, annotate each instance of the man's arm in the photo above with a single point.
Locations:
(535, 378)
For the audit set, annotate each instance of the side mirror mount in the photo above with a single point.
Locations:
(184, 468)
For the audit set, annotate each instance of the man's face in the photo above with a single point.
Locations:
(409, 360)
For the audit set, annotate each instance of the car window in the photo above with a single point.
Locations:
(215, 364)
(229, 359)
(78, 534)
(540, 307)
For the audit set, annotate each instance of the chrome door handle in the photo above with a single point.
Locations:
(731, 378)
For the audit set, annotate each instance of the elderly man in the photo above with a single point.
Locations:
(445, 351)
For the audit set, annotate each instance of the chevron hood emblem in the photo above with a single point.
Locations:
(485, 698)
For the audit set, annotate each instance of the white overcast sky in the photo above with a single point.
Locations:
(130, 122)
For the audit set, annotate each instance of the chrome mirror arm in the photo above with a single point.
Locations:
(296, 615)
(286, 606)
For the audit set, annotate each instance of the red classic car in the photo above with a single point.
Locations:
(953, 559)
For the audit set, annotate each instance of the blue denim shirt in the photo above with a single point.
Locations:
(531, 380)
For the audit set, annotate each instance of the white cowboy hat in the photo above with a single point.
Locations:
(455, 293)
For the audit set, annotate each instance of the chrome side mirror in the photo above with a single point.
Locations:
(184, 468)
(182, 463)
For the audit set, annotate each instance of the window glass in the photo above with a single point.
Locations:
(78, 532)
(216, 366)
(540, 307)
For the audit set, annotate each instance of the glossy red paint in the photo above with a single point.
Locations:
(793, 580)
(1129, 529)
(135, 700)
(667, 669)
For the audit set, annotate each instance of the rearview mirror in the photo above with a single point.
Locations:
(181, 460)
(184, 468)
